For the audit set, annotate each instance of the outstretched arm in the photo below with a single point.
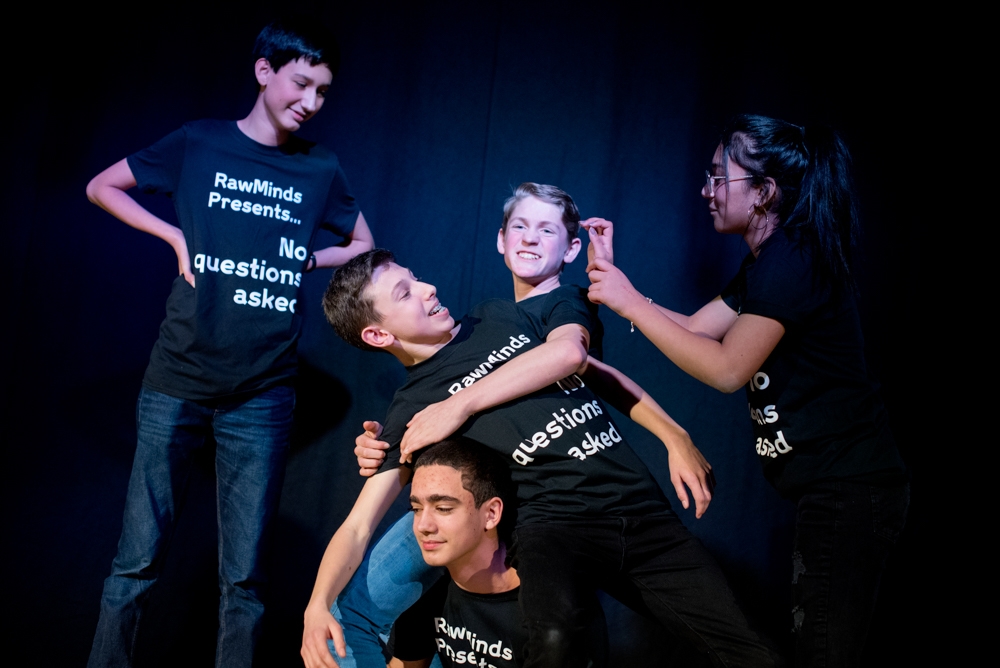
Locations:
(107, 190)
(359, 241)
(342, 557)
(687, 465)
(563, 353)
(715, 345)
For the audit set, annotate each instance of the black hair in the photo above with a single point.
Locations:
(347, 304)
(293, 37)
(815, 193)
(485, 474)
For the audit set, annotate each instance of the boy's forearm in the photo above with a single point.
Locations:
(361, 241)
(347, 547)
(625, 395)
(529, 372)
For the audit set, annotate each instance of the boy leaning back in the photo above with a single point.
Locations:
(249, 198)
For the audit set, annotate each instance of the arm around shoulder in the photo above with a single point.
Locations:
(563, 354)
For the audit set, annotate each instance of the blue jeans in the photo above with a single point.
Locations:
(252, 445)
(844, 532)
(392, 577)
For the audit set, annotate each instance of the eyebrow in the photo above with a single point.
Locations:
(435, 498)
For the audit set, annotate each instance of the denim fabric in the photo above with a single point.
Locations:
(392, 577)
(652, 564)
(252, 445)
(844, 532)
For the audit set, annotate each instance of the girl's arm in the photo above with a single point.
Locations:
(718, 348)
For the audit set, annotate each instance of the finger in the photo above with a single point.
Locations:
(681, 492)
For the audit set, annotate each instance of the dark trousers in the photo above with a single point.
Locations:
(652, 564)
(844, 532)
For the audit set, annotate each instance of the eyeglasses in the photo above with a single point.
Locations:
(710, 181)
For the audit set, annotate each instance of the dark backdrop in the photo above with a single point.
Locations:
(437, 113)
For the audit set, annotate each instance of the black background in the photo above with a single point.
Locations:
(438, 112)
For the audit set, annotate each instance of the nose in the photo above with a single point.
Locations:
(707, 191)
(428, 290)
(529, 237)
(422, 523)
(309, 100)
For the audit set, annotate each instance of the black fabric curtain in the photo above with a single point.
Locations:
(439, 110)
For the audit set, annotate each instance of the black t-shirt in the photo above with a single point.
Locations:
(817, 414)
(465, 629)
(567, 456)
(544, 308)
(249, 214)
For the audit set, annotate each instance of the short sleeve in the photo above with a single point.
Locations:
(782, 285)
(341, 208)
(567, 305)
(413, 633)
(157, 168)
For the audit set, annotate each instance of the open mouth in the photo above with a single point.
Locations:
(437, 309)
(528, 256)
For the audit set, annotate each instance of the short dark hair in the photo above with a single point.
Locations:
(347, 304)
(485, 474)
(549, 194)
(294, 37)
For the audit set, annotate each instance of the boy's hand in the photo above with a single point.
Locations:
(601, 232)
(433, 424)
(369, 450)
(689, 467)
(184, 261)
(319, 627)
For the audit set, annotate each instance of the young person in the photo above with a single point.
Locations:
(589, 513)
(787, 328)
(459, 492)
(249, 198)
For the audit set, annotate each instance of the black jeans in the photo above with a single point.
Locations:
(844, 532)
(652, 564)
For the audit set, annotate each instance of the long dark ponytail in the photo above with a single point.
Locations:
(812, 170)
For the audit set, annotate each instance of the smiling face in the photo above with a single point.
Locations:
(536, 244)
(449, 527)
(294, 93)
(411, 313)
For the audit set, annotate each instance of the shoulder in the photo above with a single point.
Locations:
(567, 304)
(782, 283)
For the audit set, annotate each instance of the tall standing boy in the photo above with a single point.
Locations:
(249, 198)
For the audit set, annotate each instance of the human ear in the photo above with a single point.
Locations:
(574, 249)
(262, 70)
(501, 246)
(377, 337)
(494, 511)
(768, 193)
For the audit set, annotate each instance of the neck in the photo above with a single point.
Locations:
(758, 230)
(524, 289)
(484, 571)
(414, 353)
(258, 126)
